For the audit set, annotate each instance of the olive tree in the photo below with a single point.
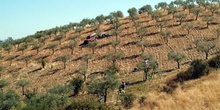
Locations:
(132, 13)
(208, 20)
(143, 44)
(63, 59)
(37, 46)
(196, 12)
(180, 17)
(26, 59)
(3, 83)
(176, 57)
(101, 86)
(114, 44)
(93, 45)
(9, 100)
(165, 34)
(145, 9)
(205, 47)
(23, 47)
(114, 56)
(188, 26)
(52, 46)
(22, 83)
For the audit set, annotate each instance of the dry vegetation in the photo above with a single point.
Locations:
(199, 94)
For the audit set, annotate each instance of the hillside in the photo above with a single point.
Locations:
(195, 94)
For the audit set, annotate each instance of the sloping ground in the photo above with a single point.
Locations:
(199, 94)
(44, 79)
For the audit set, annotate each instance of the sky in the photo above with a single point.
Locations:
(19, 18)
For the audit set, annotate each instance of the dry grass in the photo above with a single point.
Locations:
(202, 95)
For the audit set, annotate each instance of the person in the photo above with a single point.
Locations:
(145, 63)
(122, 87)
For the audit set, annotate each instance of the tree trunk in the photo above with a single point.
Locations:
(72, 51)
(105, 95)
(37, 51)
(178, 64)
(84, 77)
(22, 90)
(64, 65)
(26, 62)
(113, 62)
(206, 55)
(197, 16)
(93, 50)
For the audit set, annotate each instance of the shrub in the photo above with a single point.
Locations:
(127, 100)
(142, 100)
(86, 105)
(76, 84)
(199, 69)
(215, 62)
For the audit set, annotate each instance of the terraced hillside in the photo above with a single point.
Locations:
(26, 64)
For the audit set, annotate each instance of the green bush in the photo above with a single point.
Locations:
(9, 100)
(127, 100)
(215, 62)
(87, 105)
(199, 69)
(76, 85)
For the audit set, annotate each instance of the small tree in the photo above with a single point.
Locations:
(76, 84)
(3, 83)
(176, 57)
(172, 10)
(72, 45)
(116, 30)
(52, 46)
(188, 27)
(143, 44)
(165, 34)
(22, 83)
(152, 65)
(58, 38)
(161, 5)
(23, 47)
(156, 15)
(161, 24)
(145, 9)
(83, 71)
(93, 45)
(74, 37)
(115, 56)
(9, 100)
(7, 47)
(114, 44)
(37, 46)
(63, 59)
(141, 33)
(127, 100)
(180, 17)
(208, 20)
(43, 39)
(26, 59)
(10, 58)
(100, 18)
(86, 58)
(132, 13)
(196, 12)
(205, 47)
(213, 8)
(101, 86)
